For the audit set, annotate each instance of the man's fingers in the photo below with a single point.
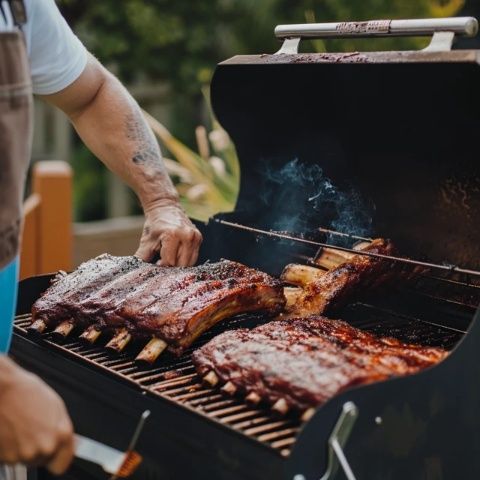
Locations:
(64, 451)
(145, 253)
(188, 252)
(60, 462)
(193, 256)
(168, 251)
(183, 256)
(197, 242)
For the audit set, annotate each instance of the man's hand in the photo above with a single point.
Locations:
(169, 233)
(35, 428)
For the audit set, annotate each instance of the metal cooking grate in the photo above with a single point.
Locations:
(424, 317)
(175, 379)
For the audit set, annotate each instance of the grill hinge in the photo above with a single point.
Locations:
(336, 443)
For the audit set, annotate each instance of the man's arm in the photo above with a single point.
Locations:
(111, 124)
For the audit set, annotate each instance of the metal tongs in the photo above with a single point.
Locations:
(116, 463)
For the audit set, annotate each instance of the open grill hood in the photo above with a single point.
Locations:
(402, 128)
(392, 134)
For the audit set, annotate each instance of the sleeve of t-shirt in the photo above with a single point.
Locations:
(57, 56)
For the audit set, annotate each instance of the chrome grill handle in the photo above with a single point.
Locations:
(336, 443)
(464, 26)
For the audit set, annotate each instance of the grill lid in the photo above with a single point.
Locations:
(373, 144)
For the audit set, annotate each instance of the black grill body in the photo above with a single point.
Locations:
(398, 129)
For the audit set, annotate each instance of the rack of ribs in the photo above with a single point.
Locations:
(300, 363)
(170, 305)
(352, 276)
(56, 303)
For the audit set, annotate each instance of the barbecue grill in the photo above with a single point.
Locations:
(362, 144)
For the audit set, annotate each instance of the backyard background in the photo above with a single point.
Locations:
(165, 52)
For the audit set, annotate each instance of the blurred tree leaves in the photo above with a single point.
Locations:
(179, 40)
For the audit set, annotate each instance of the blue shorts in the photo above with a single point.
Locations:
(8, 302)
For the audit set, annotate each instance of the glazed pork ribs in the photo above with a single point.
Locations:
(302, 362)
(174, 305)
(191, 300)
(326, 291)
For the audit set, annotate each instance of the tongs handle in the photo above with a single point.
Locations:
(466, 26)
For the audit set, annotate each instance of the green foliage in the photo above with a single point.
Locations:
(89, 186)
(207, 181)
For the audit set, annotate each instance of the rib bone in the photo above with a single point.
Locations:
(37, 327)
(253, 398)
(292, 294)
(308, 414)
(211, 379)
(229, 388)
(151, 351)
(280, 406)
(330, 258)
(64, 329)
(300, 275)
(119, 341)
(90, 335)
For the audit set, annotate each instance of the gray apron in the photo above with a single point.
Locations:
(15, 138)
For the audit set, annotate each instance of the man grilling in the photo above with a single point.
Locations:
(40, 54)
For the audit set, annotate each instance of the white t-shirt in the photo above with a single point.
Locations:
(56, 55)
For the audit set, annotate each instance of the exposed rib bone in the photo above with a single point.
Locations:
(37, 327)
(330, 258)
(300, 275)
(361, 245)
(308, 414)
(229, 388)
(64, 329)
(253, 398)
(90, 335)
(211, 379)
(281, 406)
(119, 341)
(292, 294)
(151, 351)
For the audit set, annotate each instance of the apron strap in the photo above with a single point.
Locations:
(2, 11)
(18, 10)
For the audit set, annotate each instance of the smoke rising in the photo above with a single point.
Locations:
(300, 198)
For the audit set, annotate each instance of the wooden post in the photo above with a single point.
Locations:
(29, 254)
(52, 182)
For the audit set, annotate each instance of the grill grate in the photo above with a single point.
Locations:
(175, 379)
(424, 316)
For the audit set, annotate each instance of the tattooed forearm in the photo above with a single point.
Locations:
(146, 150)
(147, 173)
